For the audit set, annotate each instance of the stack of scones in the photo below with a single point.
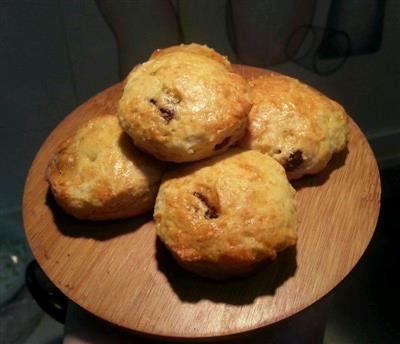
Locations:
(210, 152)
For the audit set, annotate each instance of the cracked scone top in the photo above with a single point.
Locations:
(222, 216)
(295, 124)
(184, 107)
(97, 174)
(194, 48)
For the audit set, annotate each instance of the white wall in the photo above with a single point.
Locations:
(53, 56)
(366, 85)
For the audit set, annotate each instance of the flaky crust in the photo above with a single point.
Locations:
(184, 107)
(97, 174)
(194, 48)
(221, 217)
(295, 124)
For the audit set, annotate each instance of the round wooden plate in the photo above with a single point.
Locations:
(122, 274)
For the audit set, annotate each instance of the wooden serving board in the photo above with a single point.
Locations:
(122, 274)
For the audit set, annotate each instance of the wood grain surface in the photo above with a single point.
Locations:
(119, 271)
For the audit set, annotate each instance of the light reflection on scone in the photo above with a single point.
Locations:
(221, 217)
(184, 107)
(97, 174)
(295, 124)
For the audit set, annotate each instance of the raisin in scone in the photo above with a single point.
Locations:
(223, 216)
(98, 174)
(295, 124)
(184, 107)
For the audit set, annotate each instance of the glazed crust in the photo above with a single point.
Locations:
(197, 49)
(295, 124)
(223, 216)
(184, 107)
(97, 174)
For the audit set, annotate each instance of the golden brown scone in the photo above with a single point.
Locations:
(97, 174)
(295, 124)
(184, 107)
(221, 217)
(194, 48)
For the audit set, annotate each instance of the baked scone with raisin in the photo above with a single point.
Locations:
(295, 124)
(194, 48)
(184, 107)
(223, 216)
(97, 174)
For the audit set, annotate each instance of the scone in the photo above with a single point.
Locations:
(194, 48)
(97, 174)
(221, 217)
(184, 107)
(295, 124)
